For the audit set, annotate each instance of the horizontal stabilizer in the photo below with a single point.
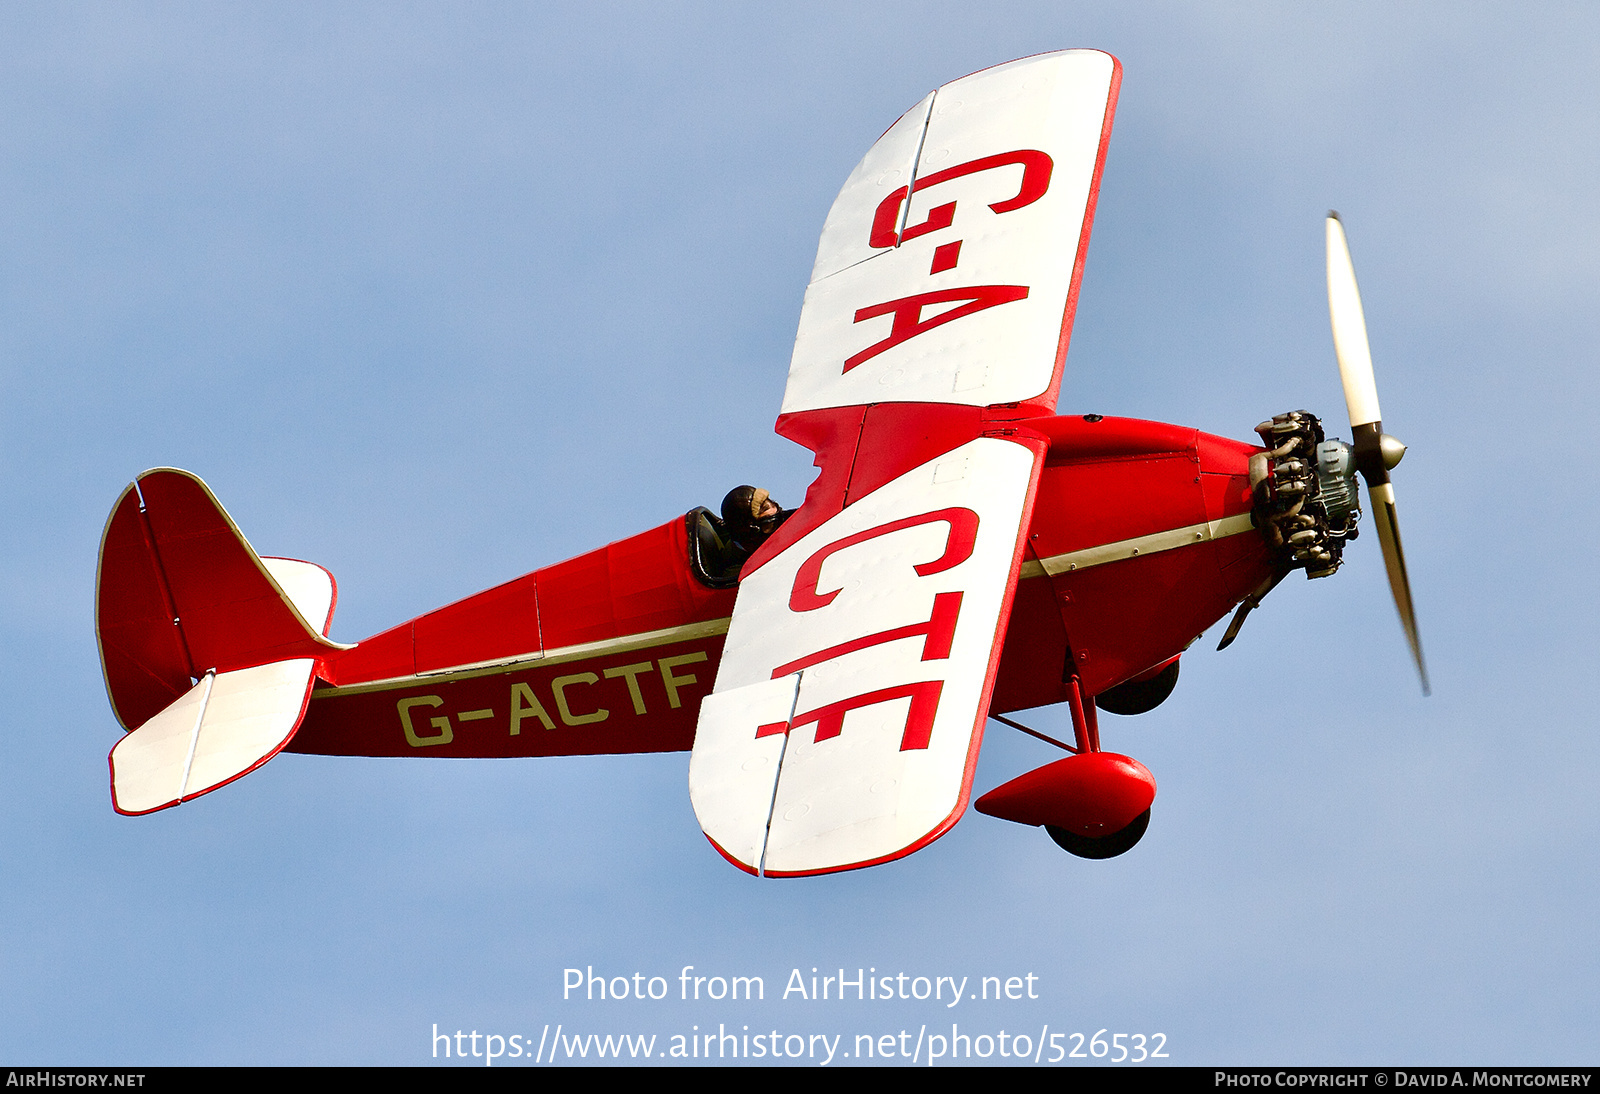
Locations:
(210, 651)
(225, 726)
(309, 587)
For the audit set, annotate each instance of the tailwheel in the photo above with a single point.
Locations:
(1098, 847)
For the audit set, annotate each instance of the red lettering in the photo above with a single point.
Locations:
(924, 696)
(908, 321)
(940, 630)
(805, 596)
(945, 258)
(1036, 168)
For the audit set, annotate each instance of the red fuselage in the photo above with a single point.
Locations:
(1141, 539)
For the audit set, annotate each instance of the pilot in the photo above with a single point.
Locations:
(750, 516)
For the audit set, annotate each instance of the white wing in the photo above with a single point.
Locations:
(853, 687)
(964, 294)
(856, 676)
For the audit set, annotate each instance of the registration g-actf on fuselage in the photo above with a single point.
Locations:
(962, 552)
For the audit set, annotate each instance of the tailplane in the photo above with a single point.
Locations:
(209, 651)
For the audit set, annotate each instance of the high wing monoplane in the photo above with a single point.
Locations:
(962, 553)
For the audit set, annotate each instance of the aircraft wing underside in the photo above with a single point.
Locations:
(857, 672)
(964, 292)
(849, 705)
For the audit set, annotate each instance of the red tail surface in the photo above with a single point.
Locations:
(208, 653)
(181, 593)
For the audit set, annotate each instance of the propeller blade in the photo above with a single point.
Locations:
(1350, 330)
(1387, 525)
(1374, 453)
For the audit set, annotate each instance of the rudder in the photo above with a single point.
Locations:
(208, 654)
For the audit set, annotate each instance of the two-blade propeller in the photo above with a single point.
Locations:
(1376, 453)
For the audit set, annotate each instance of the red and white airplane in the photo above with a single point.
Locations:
(962, 553)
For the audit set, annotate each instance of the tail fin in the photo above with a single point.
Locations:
(208, 654)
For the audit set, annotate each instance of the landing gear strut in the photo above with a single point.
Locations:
(1086, 728)
(1094, 804)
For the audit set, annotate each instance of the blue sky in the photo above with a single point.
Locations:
(432, 295)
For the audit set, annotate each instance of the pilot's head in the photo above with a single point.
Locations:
(749, 507)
